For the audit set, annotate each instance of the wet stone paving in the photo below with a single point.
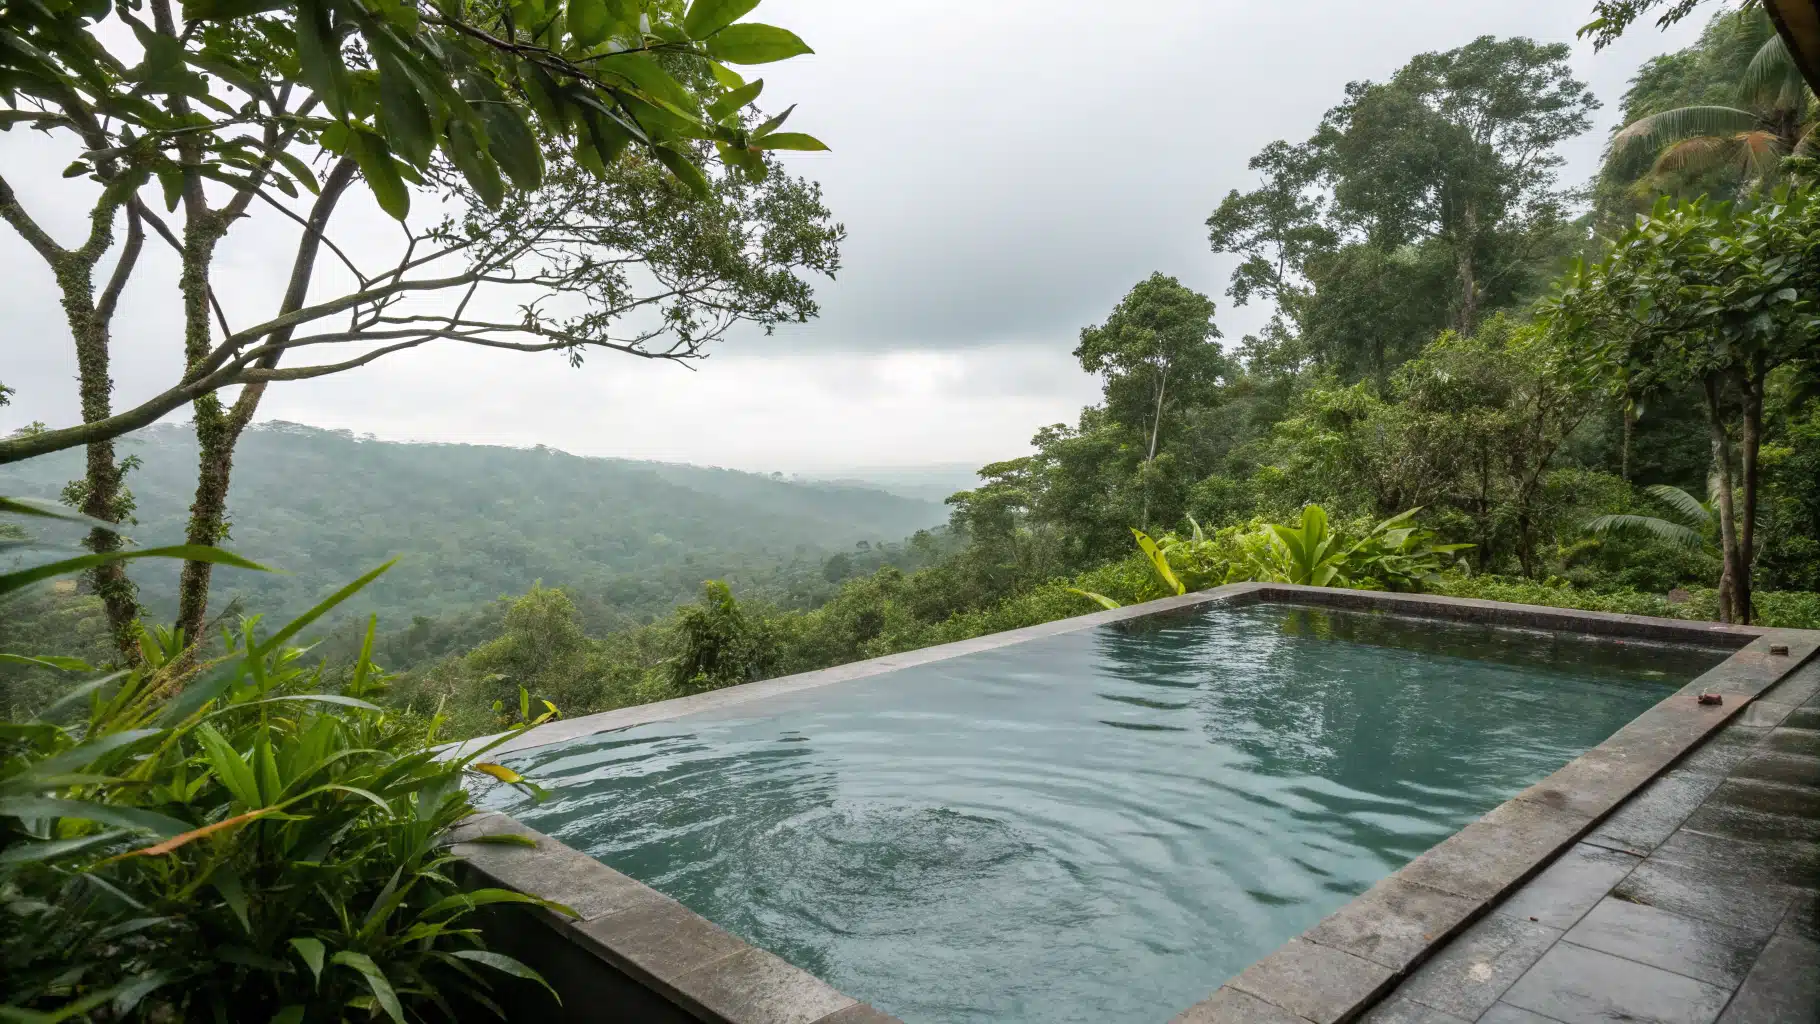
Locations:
(1695, 902)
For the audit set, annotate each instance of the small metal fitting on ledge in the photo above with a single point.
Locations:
(1710, 698)
(1781, 649)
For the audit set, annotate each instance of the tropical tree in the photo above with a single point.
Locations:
(1744, 141)
(568, 139)
(1700, 294)
(1156, 350)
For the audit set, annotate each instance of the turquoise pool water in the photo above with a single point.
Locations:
(1094, 827)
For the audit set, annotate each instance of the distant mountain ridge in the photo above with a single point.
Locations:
(472, 522)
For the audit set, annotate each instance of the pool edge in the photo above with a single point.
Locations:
(631, 942)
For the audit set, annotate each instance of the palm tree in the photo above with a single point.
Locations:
(1773, 118)
(1691, 527)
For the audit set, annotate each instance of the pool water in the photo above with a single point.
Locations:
(1099, 826)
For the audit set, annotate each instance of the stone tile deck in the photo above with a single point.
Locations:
(1695, 902)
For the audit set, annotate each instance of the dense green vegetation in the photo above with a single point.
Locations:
(1474, 382)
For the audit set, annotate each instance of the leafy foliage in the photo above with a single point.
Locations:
(234, 840)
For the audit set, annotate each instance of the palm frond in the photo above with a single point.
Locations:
(1694, 156)
(1661, 529)
(1692, 512)
(1771, 72)
(1634, 148)
(1807, 144)
(1761, 152)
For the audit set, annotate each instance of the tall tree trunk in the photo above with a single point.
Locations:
(103, 497)
(1630, 429)
(1728, 533)
(1750, 443)
(218, 430)
(98, 493)
(1469, 279)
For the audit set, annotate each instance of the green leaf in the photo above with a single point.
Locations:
(649, 77)
(684, 169)
(790, 140)
(502, 839)
(312, 952)
(752, 43)
(188, 552)
(591, 22)
(734, 101)
(1100, 599)
(468, 152)
(289, 1015)
(376, 980)
(323, 607)
(230, 767)
(39, 508)
(707, 17)
(403, 116)
(136, 818)
(37, 851)
(380, 172)
(81, 756)
(1158, 561)
(319, 57)
(56, 661)
(227, 882)
(505, 964)
(511, 143)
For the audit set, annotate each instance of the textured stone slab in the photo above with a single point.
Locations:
(1765, 713)
(1805, 742)
(1571, 886)
(548, 869)
(859, 1013)
(1576, 985)
(1469, 974)
(1799, 687)
(1803, 918)
(755, 987)
(1738, 822)
(663, 939)
(1777, 766)
(1230, 1006)
(1322, 984)
(1492, 854)
(1783, 987)
(1699, 949)
(1803, 718)
(1718, 895)
(1789, 862)
(1504, 1013)
(1726, 749)
(1400, 1009)
(1394, 923)
(1647, 819)
(1599, 780)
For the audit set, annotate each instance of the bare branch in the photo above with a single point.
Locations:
(129, 256)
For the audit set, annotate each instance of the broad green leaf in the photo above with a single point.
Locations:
(80, 756)
(789, 140)
(511, 143)
(735, 101)
(707, 17)
(1158, 561)
(319, 56)
(376, 980)
(312, 952)
(469, 154)
(502, 839)
(230, 767)
(289, 1015)
(752, 43)
(498, 771)
(227, 882)
(590, 22)
(403, 116)
(685, 170)
(380, 172)
(650, 78)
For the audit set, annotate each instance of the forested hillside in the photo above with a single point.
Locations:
(469, 523)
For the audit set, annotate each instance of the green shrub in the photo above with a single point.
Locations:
(232, 841)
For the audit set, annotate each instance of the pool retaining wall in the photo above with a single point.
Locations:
(630, 953)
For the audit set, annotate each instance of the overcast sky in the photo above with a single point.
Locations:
(1006, 170)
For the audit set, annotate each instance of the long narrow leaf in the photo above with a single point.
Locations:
(376, 980)
(322, 608)
(12, 581)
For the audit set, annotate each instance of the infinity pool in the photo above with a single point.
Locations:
(1099, 826)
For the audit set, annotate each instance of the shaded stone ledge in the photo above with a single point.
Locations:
(630, 952)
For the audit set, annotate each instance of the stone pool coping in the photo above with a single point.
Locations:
(1329, 974)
